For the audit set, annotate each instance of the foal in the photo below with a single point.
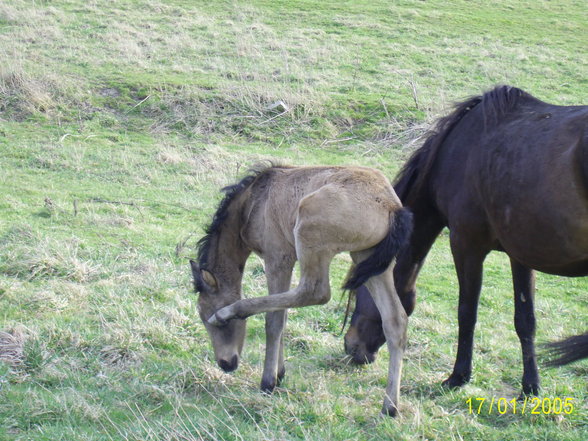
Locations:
(309, 214)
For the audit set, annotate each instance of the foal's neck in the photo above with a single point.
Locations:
(229, 253)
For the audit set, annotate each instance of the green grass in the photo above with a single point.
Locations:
(120, 121)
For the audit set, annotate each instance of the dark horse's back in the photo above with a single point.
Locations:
(522, 179)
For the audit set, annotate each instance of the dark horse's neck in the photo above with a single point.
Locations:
(428, 223)
(416, 186)
(414, 189)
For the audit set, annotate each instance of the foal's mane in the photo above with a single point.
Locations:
(495, 103)
(231, 193)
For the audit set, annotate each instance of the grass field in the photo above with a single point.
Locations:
(120, 121)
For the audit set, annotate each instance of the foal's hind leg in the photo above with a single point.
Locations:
(524, 293)
(394, 322)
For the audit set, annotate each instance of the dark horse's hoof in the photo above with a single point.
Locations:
(529, 390)
(455, 381)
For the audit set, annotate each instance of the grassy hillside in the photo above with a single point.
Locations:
(120, 121)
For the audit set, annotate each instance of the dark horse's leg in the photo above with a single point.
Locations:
(524, 293)
(468, 263)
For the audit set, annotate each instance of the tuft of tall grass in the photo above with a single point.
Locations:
(12, 342)
(22, 95)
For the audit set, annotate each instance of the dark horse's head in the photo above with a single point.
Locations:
(365, 335)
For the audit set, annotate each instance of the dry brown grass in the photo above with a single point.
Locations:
(12, 343)
(28, 94)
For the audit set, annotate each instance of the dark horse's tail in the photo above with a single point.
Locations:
(384, 252)
(568, 350)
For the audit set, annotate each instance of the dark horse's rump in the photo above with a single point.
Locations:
(505, 172)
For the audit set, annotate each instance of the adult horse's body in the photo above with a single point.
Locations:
(308, 214)
(504, 172)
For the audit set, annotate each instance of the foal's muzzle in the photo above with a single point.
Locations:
(229, 366)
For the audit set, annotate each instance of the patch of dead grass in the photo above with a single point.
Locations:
(12, 343)
(25, 94)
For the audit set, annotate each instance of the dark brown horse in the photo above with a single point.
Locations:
(504, 172)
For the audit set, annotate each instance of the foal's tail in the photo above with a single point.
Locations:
(568, 350)
(384, 252)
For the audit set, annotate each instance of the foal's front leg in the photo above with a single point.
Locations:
(313, 289)
(273, 366)
(278, 280)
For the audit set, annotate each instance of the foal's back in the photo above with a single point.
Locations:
(341, 200)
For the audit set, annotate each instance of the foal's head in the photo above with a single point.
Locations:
(227, 340)
(219, 271)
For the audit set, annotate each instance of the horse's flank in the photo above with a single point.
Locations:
(268, 199)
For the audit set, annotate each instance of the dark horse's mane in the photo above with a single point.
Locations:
(495, 103)
(231, 192)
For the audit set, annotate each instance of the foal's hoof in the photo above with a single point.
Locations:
(281, 375)
(389, 410)
(267, 387)
(220, 317)
(215, 320)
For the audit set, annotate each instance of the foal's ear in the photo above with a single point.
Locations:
(209, 278)
(202, 277)
(198, 282)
